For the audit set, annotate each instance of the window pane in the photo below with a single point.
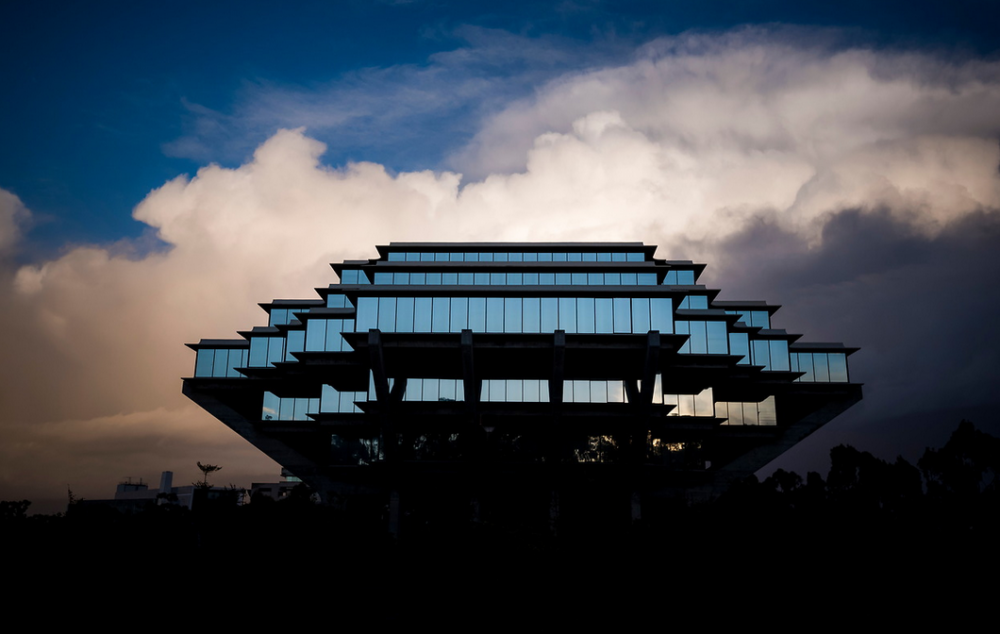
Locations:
(422, 314)
(623, 317)
(404, 314)
(567, 314)
(441, 315)
(661, 314)
(459, 314)
(477, 314)
(838, 367)
(640, 315)
(604, 315)
(494, 314)
(512, 314)
(585, 315)
(387, 314)
(550, 314)
(203, 363)
(221, 361)
(531, 320)
(717, 339)
(779, 355)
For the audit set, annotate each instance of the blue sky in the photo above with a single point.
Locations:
(163, 168)
(106, 101)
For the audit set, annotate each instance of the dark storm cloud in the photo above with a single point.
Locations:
(922, 308)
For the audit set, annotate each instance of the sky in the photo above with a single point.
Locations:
(164, 168)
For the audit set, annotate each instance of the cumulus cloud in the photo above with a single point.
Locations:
(13, 215)
(840, 182)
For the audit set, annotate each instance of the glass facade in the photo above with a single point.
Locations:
(573, 289)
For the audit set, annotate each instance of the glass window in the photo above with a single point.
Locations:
(512, 314)
(275, 350)
(604, 315)
(258, 352)
(203, 362)
(387, 314)
(550, 314)
(585, 315)
(779, 356)
(219, 364)
(640, 315)
(422, 309)
(459, 314)
(295, 342)
(699, 338)
(838, 367)
(761, 353)
(441, 314)
(494, 314)
(623, 316)
(739, 344)
(661, 314)
(477, 314)
(567, 314)
(404, 314)
(821, 367)
(337, 300)
(806, 365)
(717, 339)
(531, 315)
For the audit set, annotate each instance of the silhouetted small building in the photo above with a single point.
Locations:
(555, 381)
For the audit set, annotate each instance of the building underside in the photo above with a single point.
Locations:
(555, 383)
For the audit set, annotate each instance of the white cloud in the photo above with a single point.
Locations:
(13, 215)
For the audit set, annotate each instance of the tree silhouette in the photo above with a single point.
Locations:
(207, 469)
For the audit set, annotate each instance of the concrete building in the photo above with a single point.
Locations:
(558, 378)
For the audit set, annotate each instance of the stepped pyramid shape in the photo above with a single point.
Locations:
(548, 369)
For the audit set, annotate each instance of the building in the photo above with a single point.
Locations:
(556, 381)
(134, 497)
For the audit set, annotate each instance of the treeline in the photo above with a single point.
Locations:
(938, 514)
